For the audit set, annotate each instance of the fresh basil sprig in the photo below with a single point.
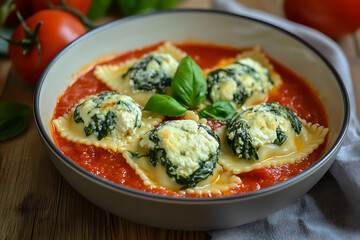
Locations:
(220, 110)
(188, 88)
(13, 119)
(189, 91)
(189, 85)
(165, 105)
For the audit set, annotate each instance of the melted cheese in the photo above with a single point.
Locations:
(128, 113)
(111, 75)
(185, 145)
(116, 141)
(227, 87)
(219, 182)
(295, 148)
(159, 66)
(224, 90)
(263, 125)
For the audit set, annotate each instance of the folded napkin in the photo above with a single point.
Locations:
(331, 210)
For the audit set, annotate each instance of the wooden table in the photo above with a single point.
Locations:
(37, 203)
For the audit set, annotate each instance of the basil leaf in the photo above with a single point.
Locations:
(13, 119)
(220, 110)
(165, 105)
(189, 85)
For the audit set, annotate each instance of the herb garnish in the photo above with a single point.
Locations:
(165, 105)
(189, 90)
(220, 110)
(189, 85)
(13, 119)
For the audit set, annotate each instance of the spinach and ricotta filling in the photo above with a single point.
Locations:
(188, 150)
(153, 72)
(108, 113)
(238, 81)
(267, 123)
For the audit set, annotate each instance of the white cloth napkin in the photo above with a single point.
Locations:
(331, 210)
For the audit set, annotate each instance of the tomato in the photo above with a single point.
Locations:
(332, 17)
(82, 5)
(59, 28)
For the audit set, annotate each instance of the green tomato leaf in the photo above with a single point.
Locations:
(165, 105)
(132, 7)
(167, 4)
(189, 85)
(13, 119)
(220, 110)
(144, 10)
(127, 7)
(98, 8)
(6, 8)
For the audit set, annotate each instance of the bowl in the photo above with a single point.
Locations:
(178, 26)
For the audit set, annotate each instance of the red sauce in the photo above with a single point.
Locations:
(294, 93)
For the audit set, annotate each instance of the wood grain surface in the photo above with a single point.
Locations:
(37, 203)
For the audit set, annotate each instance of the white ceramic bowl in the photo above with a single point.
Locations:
(178, 26)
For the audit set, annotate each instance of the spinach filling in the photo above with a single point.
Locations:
(241, 144)
(236, 72)
(238, 130)
(101, 127)
(102, 123)
(205, 168)
(144, 79)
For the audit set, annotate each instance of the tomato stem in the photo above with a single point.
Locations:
(87, 22)
(31, 38)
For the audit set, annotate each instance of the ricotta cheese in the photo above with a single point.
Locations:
(108, 113)
(268, 123)
(263, 124)
(153, 72)
(295, 148)
(238, 81)
(185, 148)
(117, 76)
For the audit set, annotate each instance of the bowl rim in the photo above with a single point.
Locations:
(152, 196)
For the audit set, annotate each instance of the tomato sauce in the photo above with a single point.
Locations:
(294, 93)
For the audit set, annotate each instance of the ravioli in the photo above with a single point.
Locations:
(267, 135)
(144, 77)
(243, 81)
(108, 120)
(185, 156)
(181, 155)
(108, 113)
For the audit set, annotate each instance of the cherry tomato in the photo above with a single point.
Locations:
(59, 28)
(82, 5)
(332, 17)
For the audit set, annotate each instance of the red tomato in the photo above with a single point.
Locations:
(82, 5)
(332, 17)
(59, 28)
